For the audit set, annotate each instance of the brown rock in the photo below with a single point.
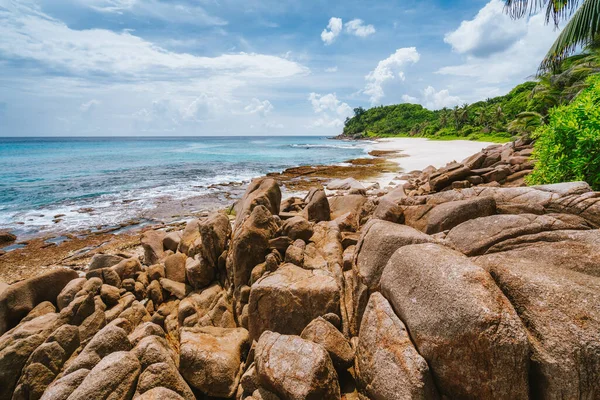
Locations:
(448, 303)
(68, 293)
(297, 228)
(557, 299)
(152, 242)
(62, 388)
(448, 215)
(301, 296)
(199, 272)
(477, 236)
(189, 238)
(211, 357)
(171, 241)
(159, 393)
(249, 246)
(378, 241)
(100, 261)
(447, 175)
(214, 233)
(175, 267)
(164, 375)
(317, 207)
(341, 205)
(388, 210)
(156, 271)
(324, 333)
(261, 192)
(177, 289)
(108, 340)
(6, 237)
(387, 364)
(114, 377)
(295, 368)
(20, 298)
(17, 345)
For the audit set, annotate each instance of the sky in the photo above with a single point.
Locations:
(252, 67)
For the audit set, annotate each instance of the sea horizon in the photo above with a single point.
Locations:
(56, 185)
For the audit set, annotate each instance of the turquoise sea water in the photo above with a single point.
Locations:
(103, 181)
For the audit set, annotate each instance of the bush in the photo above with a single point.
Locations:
(568, 148)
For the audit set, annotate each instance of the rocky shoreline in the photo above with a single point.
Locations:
(458, 283)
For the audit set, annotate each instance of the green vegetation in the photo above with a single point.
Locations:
(484, 120)
(568, 147)
(581, 30)
(518, 113)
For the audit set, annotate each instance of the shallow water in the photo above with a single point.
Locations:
(95, 182)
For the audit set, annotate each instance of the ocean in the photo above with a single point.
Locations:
(50, 185)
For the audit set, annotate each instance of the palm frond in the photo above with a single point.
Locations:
(556, 10)
(581, 30)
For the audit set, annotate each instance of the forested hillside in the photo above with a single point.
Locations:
(520, 112)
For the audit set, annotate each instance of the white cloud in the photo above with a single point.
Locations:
(273, 125)
(332, 31)
(356, 27)
(89, 106)
(387, 70)
(432, 99)
(409, 99)
(515, 60)
(491, 31)
(171, 11)
(29, 34)
(331, 111)
(331, 69)
(435, 100)
(262, 108)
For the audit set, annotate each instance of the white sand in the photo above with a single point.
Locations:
(422, 153)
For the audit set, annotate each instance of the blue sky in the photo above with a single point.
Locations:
(230, 67)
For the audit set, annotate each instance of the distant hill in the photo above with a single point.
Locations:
(484, 120)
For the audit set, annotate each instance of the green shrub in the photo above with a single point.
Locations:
(568, 148)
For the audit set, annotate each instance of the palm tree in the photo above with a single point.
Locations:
(526, 123)
(444, 117)
(456, 116)
(581, 30)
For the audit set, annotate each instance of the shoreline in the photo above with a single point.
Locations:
(382, 167)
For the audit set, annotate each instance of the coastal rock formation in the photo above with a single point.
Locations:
(458, 283)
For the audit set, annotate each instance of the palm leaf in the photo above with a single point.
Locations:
(556, 10)
(581, 30)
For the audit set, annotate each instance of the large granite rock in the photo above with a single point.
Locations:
(210, 358)
(261, 192)
(477, 236)
(249, 246)
(67, 294)
(108, 340)
(317, 206)
(20, 298)
(300, 295)
(297, 228)
(322, 332)
(460, 322)
(378, 241)
(152, 242)
(387, 364)
(112, 378)
(295, 368)
(433, 219)
(214, 233)
(17, 345)
(554, 284)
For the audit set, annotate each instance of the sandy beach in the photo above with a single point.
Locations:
(419, 153)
